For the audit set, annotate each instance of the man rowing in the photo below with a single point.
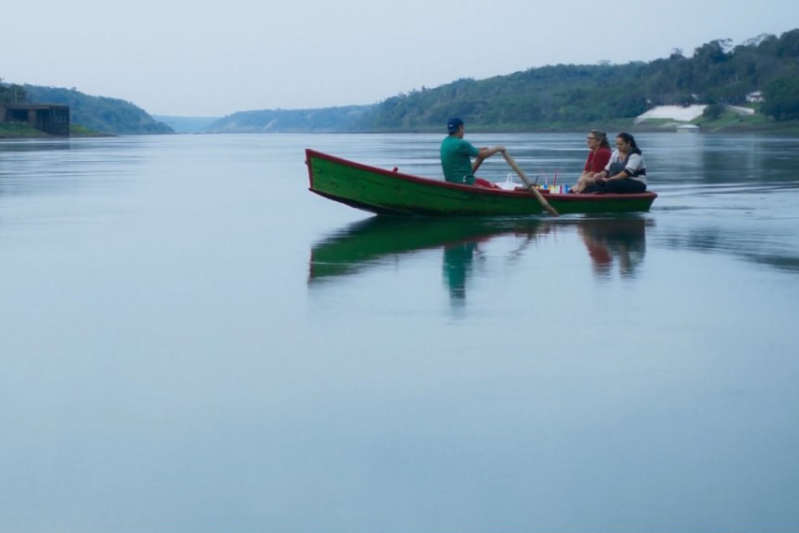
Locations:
(456, 154)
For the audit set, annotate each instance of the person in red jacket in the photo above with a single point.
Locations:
(597, 159)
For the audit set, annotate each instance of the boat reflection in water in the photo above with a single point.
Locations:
(378, 240)
(621, 240)
(371, 241)
(458, 263)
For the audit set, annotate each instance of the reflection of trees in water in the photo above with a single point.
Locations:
(621, 240)
(743, 160)
(15, 156)
(701, 163)
(776, 248)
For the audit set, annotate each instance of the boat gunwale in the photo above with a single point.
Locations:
(518, 192)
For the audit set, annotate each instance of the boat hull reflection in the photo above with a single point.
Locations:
(373, 241)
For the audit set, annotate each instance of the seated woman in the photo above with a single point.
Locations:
(597, 159)
(626, 171)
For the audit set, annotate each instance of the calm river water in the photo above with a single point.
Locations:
(192, 342)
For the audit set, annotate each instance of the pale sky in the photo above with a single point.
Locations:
(213, 58)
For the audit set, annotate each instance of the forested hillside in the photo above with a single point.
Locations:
(325, 120)
(551, 97)
(98, 113)
(564, 96)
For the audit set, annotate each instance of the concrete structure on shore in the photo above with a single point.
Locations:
(49, 118)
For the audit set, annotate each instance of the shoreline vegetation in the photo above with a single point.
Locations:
(748, 88)
(21, 130)
(727, 125)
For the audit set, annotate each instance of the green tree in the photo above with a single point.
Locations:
(12, 94)
(782, 98)
(714, 111)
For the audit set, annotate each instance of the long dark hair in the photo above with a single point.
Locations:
(629, 139)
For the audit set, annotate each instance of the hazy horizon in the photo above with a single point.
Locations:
(199, 60)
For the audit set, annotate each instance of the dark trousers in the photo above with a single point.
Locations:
(622, 186)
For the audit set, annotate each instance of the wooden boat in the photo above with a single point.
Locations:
(390, 192)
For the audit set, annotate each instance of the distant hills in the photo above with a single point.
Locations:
(324, 120)
(718, 74)
(99, 113)
(187, 124)
(570, 96)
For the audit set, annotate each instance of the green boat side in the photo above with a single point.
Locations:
(390, 192)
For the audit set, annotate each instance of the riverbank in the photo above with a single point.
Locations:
(21, 130)
(728, 123)
(732, 125)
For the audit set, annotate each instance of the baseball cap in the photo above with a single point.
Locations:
(453, 124)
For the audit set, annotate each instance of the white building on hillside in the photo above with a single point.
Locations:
(673, 112)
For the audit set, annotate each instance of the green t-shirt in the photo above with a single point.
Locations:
(456, 160)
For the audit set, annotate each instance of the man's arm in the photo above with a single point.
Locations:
(484, 154)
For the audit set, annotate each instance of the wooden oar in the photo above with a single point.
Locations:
(477, 163)
(540, 197)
